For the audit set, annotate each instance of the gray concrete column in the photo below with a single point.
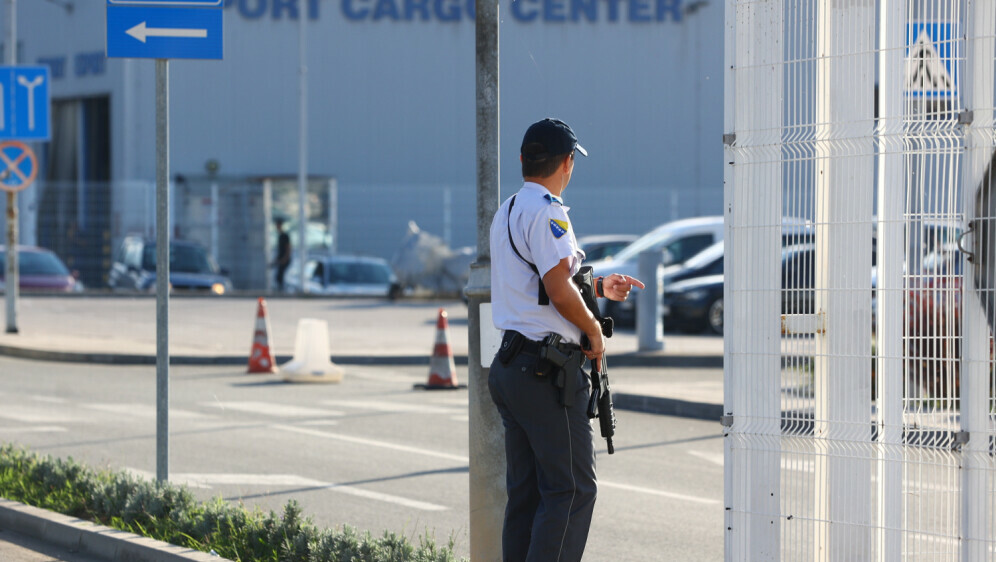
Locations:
(487, 451)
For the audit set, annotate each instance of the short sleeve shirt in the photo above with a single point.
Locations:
(543, 234)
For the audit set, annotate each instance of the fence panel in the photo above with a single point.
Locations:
(870, 122)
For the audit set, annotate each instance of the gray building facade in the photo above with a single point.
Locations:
(391, 114)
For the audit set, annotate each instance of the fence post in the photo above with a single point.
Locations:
(753, 204)
(891, 249)
(977, 95)
(845, 80)
(649, 324)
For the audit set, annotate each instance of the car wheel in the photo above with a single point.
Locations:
(714, 316)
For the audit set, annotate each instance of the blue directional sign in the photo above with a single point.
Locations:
(201, 3)
(164, 30)
(26, 102)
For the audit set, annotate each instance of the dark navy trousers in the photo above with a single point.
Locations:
(550, 460)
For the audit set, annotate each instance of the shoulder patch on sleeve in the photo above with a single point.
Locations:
(558, 227)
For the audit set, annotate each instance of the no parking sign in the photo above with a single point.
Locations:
(18, 166)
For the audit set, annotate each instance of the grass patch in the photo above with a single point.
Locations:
(169, 513)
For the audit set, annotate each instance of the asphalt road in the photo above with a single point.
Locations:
(370, 453)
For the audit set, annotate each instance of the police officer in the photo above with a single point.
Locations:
(550, 478)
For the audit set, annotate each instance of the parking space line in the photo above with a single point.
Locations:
(371, 442)
(145, 411)
(273, 410)
(653, 492)
(34, 429)
(289, 480)
(399, 407)
(30, 415)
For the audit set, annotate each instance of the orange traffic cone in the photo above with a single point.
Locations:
(442, 368)
(260, 358)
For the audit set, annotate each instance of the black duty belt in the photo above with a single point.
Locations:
(533, 347)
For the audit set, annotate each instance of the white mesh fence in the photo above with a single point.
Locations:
(861, 280)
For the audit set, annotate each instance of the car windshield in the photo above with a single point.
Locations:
(706, 257)
(182, 259)
(35, 263)
(645, 242)
(359, 273)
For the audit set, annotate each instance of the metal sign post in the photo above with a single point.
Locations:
(162, 270)
(163, 29)
(13, 282)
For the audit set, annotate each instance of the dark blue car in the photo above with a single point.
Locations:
(694, 305)
(192, 269)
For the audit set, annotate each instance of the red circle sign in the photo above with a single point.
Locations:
(18, 166)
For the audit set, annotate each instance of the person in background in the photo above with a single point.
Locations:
(283, 254)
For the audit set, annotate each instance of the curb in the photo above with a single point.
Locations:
(77, 535)
(667, 406)
(622, 360)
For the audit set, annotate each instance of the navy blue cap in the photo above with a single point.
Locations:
(547, 138)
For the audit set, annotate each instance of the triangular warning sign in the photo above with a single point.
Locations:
(925, 70)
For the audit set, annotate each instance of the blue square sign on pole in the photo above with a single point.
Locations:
(26, 103)
(174, 3)
(163, 29)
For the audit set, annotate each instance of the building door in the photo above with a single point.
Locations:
(74, 207)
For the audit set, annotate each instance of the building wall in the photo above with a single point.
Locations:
(391, 102)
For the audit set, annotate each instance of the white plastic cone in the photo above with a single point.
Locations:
(311, 361)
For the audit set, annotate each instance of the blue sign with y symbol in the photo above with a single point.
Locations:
(25, 100)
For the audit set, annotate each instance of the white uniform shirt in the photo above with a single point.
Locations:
(543, 235)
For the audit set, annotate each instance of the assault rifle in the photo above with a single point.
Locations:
(600, 402)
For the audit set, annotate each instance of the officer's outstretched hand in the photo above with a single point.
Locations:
(616, 287)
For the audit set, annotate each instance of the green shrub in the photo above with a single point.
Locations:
(170, 513)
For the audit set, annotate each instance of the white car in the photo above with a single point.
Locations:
(345, 276)
(678, 241)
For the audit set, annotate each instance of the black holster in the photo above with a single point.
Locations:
(562, 366)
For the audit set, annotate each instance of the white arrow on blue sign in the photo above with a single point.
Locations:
(200, 3)
(161, 29)
(25, 100)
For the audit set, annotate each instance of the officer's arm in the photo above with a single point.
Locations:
(565, 296)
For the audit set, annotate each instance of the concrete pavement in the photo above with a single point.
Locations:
(684, 379)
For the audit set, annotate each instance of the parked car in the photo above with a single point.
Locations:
(694, 304)
(603, 246)
(40, 270)
(345, 276)
(678, 241)
(705, 263)
(191, 268)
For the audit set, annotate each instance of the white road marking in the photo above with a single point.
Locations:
(371, 442)
(384, 406)
(653, 492)
(146, 475)
(427, 452)
(715, 458)
(273, 410)
(32, 415)
(49, 399)
(786, 464)
(34, 429)
(460, 418)
(290, 480)
(145, 411)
